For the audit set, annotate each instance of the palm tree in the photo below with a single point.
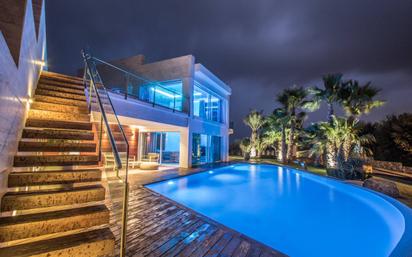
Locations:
(344, 136)
(357, 99)
(279, 120)
(293, 99)
(330, 93)
(244, 146)
(315, 143)
(255, 121)
(271, 138)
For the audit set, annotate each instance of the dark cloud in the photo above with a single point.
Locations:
(257, 47)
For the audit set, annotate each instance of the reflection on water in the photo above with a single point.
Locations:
(280, 180)
(297, 178)
(280, 207)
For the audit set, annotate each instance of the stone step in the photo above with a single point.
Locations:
(35, 178)
(60, 94)
(52, 74)
(60, 100)
(53, 115)
(59, 108)
(97, 243)
(61, 78)
(54, 160)
(38, 224)
(56, 145)
(58, 88)
(24, 200)
(61, 84)
(55, 168)
(57, 134)
(60, 124)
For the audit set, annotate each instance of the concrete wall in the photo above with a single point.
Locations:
(170, 69)
(185, 69)
(18, 76)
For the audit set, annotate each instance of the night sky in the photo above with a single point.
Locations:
(258, 47)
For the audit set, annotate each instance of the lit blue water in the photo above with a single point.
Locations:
(298, 213)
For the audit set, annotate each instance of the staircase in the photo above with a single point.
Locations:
(55, 203)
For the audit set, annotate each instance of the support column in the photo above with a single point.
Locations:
(185, 157)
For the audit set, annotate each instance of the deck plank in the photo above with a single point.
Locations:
(157, 226)
(230, 247)
(242, 249)
(189, 249)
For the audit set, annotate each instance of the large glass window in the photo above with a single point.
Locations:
(205, 148)
(206, 106)
(161, 147)
(171, 147)
(168, 94)
(215, 108)
(215, 148)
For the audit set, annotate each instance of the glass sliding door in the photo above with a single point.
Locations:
(199, 148)
(205, 148)
(215, 148)
(171, 147)
(161, 147)
(151, 145)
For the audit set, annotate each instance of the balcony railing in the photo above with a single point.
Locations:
(113, 148)
(167, 94)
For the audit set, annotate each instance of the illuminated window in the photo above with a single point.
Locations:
(206, 106)
(167, 94)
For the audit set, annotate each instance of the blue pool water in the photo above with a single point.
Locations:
(297, 213)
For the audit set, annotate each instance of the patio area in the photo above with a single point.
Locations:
(158, 226)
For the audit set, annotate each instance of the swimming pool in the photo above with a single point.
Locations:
(295, 212)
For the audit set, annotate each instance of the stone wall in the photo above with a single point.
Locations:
(395, 166)
(21, 50)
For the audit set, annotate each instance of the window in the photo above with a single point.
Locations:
(206, 106)
(162, 147)
(205, 148)
(168, 94)
(200, 101)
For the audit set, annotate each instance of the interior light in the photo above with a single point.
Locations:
(165, 93)
(136, 127)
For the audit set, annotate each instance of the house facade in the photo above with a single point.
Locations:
(177, 108)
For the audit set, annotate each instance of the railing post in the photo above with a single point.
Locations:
(174, 102)
(90, 96)
(127, 86)
(154, 96)
(124, 220)
(100, 138)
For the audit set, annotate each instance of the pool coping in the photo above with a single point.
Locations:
(405, 241)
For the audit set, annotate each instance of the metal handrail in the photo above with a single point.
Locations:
(134, 75)
(87, 58)
(88, 68)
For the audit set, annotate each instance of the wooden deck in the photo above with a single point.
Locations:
(158, 226)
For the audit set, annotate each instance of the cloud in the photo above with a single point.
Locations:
(259, 47)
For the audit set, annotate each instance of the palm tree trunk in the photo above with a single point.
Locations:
(253, 144)
(330, 156)
(283, 145)
(340, 156)
(291, 143)
(330, 149)
(331, 112)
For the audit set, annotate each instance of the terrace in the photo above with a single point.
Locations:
(130, 157)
